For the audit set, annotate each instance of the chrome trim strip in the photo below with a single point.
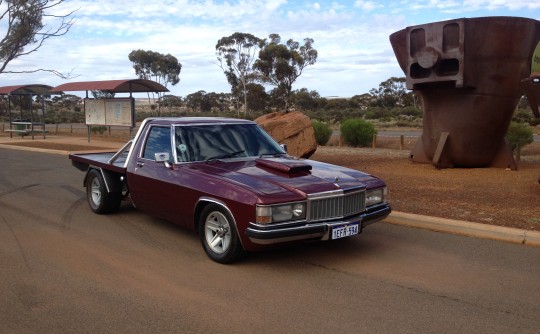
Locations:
(120, 152)
(213, 123)
(323, 235)
(326, 194)
(374, 214)
(105, 180)
(270, 226)
(136, 139)
(92, 167)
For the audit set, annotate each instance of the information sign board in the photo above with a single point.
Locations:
(109, 111)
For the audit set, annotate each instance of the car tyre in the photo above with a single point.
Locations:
(99, 199)
(218, 235)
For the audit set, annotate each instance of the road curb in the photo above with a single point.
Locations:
(477, 230)
(33, 149)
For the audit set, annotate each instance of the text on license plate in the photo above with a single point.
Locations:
(344, 231)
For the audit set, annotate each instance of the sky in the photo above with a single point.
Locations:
(351, 37)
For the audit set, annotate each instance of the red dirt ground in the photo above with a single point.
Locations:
(483, 195)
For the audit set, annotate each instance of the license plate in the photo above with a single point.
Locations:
(344, 231)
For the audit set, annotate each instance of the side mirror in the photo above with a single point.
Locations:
(284, 147)
(163, 157)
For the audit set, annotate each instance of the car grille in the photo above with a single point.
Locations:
(336, 204)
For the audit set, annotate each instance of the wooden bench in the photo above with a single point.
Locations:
(27, 129)
(22, 132)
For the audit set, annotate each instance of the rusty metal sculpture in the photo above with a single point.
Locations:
(467, 73)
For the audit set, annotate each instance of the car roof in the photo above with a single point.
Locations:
(197, 120)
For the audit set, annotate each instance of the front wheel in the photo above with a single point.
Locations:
(218, 235)
(99, 199)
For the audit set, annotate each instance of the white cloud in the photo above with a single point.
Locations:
(351, 37)
(367, 6)
(466, 6)
(501, 4)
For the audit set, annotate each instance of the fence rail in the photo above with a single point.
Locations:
(76, 129)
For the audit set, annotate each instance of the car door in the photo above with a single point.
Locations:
(154, 186)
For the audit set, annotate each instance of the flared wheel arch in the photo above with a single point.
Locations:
(205, 201)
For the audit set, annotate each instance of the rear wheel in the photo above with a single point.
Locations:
(218, 235)
(99, 199)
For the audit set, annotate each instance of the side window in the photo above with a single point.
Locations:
(158, 141)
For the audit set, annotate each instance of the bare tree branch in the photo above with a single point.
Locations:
(55, 72)
(25, 32)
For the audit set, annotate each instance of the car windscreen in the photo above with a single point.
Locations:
(218, 141)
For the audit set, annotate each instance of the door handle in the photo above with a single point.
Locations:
(140, 164)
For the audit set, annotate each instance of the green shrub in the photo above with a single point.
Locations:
(519, 135)
(410, 111)
(377, 113)
(323, 132)
(358, 132)
(522, 116)
(408, 123)
(98, 129)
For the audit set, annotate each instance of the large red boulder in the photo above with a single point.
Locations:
(293, 129)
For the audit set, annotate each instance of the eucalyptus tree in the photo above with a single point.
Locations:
(161, 68)
(102, 94)
(26, 26)
(236, 55)
(392, 93)
(164, 69)
(281, 64)
(258, 99)
(302, 99)
(199, 101)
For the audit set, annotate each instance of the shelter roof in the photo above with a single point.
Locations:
(26, 90)
(116, 86)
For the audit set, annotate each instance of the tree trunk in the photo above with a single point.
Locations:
(245, 98)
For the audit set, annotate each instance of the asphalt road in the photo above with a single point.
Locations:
(65, 269)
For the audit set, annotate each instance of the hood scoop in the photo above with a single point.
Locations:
(284, 165)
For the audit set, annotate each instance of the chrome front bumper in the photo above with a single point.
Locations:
(313, 231)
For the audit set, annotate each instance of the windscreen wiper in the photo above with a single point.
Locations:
(272, 155)
(225, 156)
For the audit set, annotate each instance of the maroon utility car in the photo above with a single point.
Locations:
(231, 182)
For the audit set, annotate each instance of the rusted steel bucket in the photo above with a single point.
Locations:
(467, 73)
